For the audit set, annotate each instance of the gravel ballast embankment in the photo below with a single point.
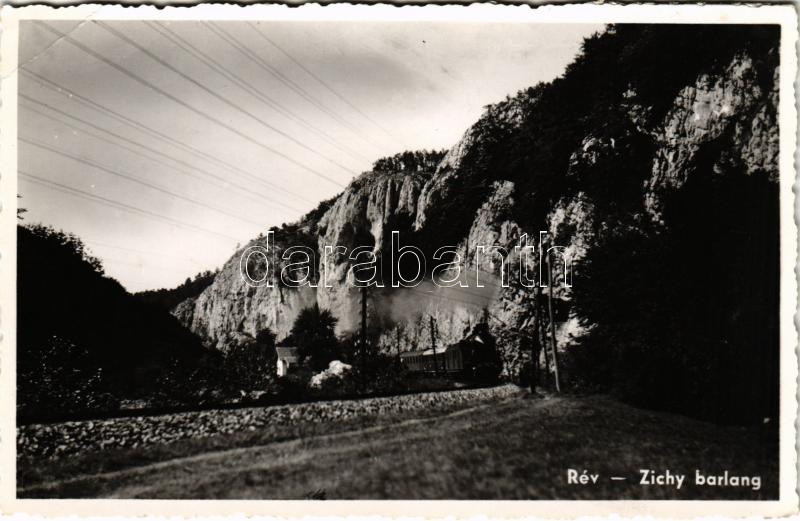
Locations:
(69, 438)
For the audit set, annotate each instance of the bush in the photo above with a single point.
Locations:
(178, 385)
(216, 377)
(382, 374)
(62, 381)
(294, 386)
(338, 385)
(250, 367)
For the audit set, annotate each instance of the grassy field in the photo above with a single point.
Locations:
(512, 448)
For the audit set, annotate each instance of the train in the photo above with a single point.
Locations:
(447, 360)
(473, 358)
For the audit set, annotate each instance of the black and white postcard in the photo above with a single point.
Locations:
(538, 257)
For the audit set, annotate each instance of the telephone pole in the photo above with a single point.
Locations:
(363, 333)
(539, 330)
(398, 342)
(535, 348)
(433, 344)
(552, 323)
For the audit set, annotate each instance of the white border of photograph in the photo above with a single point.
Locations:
(772, 14)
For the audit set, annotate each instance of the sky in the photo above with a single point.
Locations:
(165, 145)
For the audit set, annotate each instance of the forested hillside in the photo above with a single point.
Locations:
(83, 341)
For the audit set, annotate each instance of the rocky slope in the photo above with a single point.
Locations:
(580, 157)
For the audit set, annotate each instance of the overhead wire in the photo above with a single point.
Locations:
(86, 102)
(223, 182)
(117, 204)
(145, 252)
(141, 264)
(223, 99)
(254, 91)
(293, 86)
(189, 107)
(321, 81)
(134, 179)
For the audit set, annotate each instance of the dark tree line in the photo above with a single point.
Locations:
(167, 299)
(418, 161)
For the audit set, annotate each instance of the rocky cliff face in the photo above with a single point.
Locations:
(508, 176)
(731, 105)
(361, 216)
(230, 311)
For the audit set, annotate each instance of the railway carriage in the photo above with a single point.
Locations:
(448, 360)
(473, 358)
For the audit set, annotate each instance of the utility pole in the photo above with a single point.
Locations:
(534, 340)
(539, 331)
(433, 344)
(363, 333)
(552, 323)
(398, 341)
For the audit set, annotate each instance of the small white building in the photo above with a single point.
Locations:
(287, 357)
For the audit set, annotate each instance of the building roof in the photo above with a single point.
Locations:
(429, 351)
(287, 353)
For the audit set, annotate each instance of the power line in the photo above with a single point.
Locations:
(116, 204)
(223, 99)
(133, 179)
(321, 81)
(141, 265)
(300, 91)
(459, 289)
(254, 196)
(294, 87)
(435, 295)
(465, 292)
(86, 102)
(145, 252)
(215, 65)
(455, 299)
(180, 102)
